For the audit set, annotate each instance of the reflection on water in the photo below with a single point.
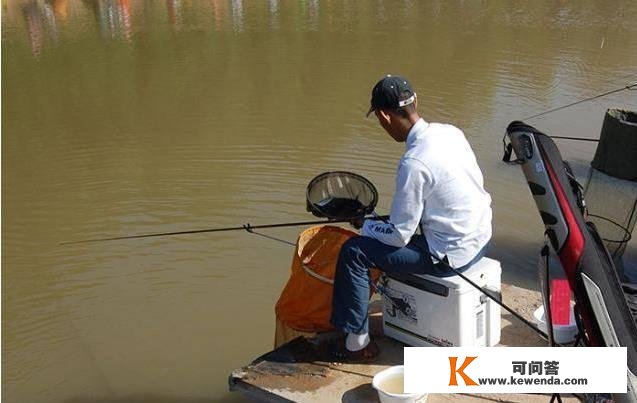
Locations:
(134, 116)
(237, 15)
(42, 18)
(113, 17)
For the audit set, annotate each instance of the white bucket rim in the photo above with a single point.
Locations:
(396, 369)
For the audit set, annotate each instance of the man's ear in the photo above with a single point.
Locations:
(384, 116)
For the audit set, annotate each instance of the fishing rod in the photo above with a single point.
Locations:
(624, 88)
(246, 227)
(380, 289)
(337, 197)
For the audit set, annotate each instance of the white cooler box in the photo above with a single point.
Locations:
(444, 311)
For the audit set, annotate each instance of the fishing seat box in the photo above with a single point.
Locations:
(425, 310)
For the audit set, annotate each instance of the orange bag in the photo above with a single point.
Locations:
(306, 301)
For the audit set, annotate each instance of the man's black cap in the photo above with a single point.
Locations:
(392, 92)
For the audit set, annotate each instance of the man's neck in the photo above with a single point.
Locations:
(413, 119)
(408, 124)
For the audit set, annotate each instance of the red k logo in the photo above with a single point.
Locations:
(453, 381)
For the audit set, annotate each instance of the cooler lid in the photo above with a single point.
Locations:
(479, 273)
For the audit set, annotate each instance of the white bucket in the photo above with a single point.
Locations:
(389, 383)
(562, 334)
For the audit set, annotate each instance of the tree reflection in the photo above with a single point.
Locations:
(41, 19)
(113, 17)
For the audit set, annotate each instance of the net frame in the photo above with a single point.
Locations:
(317, 210)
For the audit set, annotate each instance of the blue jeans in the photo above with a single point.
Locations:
(351, 282)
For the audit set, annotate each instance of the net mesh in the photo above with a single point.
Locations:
(341, 196)
(612, 207)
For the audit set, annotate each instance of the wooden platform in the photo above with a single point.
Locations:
(301, 370)
(297, 372)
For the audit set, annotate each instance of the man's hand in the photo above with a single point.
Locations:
(357, 222)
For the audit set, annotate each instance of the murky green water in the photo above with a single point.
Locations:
(124, 117)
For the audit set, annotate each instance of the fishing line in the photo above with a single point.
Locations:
(250, 229)
(201, 231)
(624, 88)
(508, 149)
(378, 288)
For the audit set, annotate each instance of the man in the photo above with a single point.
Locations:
(439, 189)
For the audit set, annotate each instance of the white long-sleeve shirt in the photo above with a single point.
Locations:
(440, 186)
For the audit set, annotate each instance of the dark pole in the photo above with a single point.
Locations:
(559, 108)
(246, 227)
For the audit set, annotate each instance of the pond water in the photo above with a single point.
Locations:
(133, 116)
